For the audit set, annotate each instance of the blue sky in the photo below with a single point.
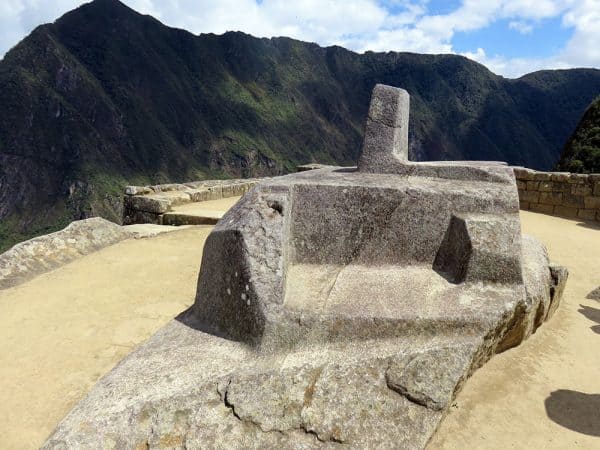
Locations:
(544, 39)
(510, 37)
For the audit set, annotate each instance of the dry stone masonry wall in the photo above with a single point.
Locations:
(559, 193)
(148, 204)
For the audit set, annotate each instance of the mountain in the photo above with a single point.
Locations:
(582, 150)
(105, 97)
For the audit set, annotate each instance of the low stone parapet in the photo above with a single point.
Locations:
(148, 204)
(41, 254)
(559, 193)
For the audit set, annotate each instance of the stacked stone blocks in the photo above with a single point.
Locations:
(148, 204)
(559, 193)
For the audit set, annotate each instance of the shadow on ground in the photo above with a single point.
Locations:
(577, 411)
(189, 319)
(592, 225)
(594, 295)
(592, 314)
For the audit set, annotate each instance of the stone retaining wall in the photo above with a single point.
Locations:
(147, 204)
(559, 193)
(556, 193)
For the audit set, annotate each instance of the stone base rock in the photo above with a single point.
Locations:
(335, 308)
(362, 382)
(188, 389)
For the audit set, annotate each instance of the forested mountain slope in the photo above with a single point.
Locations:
(582, 150)
(105, 97)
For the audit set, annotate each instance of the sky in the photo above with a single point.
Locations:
(510, 37)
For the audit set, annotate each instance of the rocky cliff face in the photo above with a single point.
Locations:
(105, 97)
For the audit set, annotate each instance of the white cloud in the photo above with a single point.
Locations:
(520, 26)
(583, 49)
(323, 21)
(19, 17)
(533, 9)
(515, 67)
(357, 24)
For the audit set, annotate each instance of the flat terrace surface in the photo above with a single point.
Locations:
(209, 208)
(63, 330)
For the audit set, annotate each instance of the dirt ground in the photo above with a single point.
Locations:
(209, 208)
(62, 331)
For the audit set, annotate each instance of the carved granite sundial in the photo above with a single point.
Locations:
(339, 307)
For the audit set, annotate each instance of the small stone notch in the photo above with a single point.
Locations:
(386, 130)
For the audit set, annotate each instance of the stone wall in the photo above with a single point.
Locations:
(148, 204)
(50, 251)
(559, 193)
(556, 193)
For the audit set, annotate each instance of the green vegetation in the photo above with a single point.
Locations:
(106, 97)
(582, 151)
(11, 233)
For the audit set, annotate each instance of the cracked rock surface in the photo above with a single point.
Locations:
(430, 378)
(340, 397)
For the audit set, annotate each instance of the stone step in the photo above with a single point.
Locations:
(176, 219)
(199, 213)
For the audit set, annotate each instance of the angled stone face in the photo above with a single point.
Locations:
(481, 247)
(244, 267)
(336, 307)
